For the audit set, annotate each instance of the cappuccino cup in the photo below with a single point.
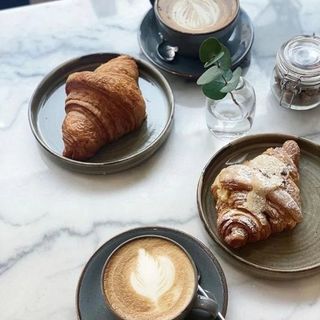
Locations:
(152, 277)
(185, 24)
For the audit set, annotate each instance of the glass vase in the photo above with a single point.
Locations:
(232, 116)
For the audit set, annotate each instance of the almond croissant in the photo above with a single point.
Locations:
(259, 197)
(101, 106)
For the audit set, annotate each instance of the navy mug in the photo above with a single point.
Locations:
(188, 44)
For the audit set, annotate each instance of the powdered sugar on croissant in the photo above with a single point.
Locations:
(259, 197)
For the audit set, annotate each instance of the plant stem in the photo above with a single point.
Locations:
(224, 79)
(234, 99)
(231, 94)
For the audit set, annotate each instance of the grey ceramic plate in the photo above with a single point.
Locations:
(46, 114)
(90, 300)
(288, 254)
(191, 68)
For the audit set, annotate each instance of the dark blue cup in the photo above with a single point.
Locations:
(188, 44)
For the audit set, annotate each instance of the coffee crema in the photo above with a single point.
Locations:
(197, 16)
(149, 278)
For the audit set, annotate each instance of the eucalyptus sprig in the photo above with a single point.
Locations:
(219, 79)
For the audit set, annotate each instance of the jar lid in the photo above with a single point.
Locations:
(299, 59)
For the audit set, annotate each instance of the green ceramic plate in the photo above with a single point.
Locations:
(46, 114)
(288, 254)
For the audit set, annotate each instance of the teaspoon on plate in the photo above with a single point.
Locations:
(165, 51)
(204, 293)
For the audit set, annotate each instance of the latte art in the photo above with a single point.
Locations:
(149, 278)
(153, 276)
(197, 16)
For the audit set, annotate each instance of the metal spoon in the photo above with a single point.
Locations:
(203, 292)
(165, 51)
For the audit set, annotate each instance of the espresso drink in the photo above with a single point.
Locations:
(149, 279)
(197, 16)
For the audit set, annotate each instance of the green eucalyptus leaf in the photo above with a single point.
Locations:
(225, 62)
(227, 74)
(209, 75)
(209, 49)
(212, 90)
(221, 79)
(233, 83)
(214, 60)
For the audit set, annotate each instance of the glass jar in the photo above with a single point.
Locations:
(296, 77)
(233, 115)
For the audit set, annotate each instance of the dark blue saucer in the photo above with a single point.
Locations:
(190, 67)
(90, 300)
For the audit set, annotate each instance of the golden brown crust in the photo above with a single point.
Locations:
(259, 197)
(101, 107)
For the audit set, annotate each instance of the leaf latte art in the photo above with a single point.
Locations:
(149, 278)
(195, 14)
(153, 276)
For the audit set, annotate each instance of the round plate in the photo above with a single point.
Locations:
(46, 114)
(284, 255)
(189, 67)
(90, 300)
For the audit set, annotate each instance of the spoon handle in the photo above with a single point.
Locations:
(220, 316)
(201, 290)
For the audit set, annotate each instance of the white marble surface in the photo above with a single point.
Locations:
(52, 220)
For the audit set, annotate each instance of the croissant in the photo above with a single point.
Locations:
(101, 106)
(259, 197)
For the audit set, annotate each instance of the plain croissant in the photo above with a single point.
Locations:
(101, 106)
(259, 197)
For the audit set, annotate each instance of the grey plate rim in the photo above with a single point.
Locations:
(147, 229)
(272, 272)
(188, 75)
(148, 150)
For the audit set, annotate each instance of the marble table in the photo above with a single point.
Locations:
(52, 220)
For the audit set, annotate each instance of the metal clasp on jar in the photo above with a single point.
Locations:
(288, 85)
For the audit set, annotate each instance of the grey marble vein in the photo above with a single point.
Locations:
(7, 222)
(53, 235)
(51, 220)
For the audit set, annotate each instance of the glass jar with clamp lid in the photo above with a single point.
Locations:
(296, 77)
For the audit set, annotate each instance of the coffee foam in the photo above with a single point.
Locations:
(149, 278)
(153, 275)
(197, 16)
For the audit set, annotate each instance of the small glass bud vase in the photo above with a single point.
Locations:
(232, 116)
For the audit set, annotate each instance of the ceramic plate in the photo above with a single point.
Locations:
(46, 114)
(285, 255)
(191, 68)
(90, 300)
